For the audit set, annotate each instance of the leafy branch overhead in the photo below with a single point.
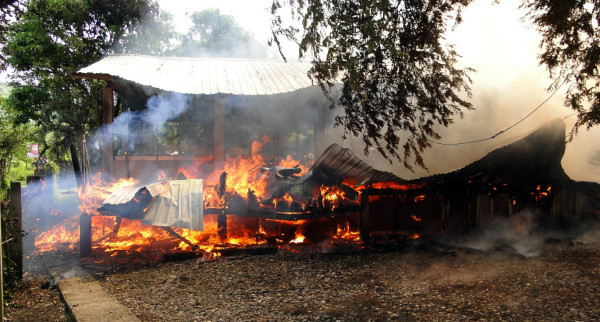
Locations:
(398, 75)
(570, 33)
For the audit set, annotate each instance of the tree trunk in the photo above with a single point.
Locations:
(76, 166)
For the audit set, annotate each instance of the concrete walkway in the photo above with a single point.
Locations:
(84, 296)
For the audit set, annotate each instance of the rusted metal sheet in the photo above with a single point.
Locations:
(203, 75)
(175, 203)
(341, 163)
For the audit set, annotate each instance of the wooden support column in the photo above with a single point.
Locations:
(85, 235)
(219, 133)
(222, 225)
(108, 146)
(319, 131)
(15, 247)
(364, 227)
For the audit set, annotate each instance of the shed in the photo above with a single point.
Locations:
(136, 78)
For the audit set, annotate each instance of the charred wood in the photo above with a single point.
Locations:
(222, 187)
(183, 239)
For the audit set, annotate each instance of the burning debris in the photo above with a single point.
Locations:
(175, 203)
(282, 203)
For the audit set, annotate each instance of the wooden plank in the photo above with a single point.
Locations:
(107, 118)
(203, 158)
(286, 216)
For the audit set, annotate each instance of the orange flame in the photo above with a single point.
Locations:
(245, 176)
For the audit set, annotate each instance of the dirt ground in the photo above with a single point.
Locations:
(35, 300)
(561, 283)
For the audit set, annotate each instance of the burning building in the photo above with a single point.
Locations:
(205, 171)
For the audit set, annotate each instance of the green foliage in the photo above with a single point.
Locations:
(398, 75)
(4, 90)
(19, 171)
(571, 51)
(13, 140)
(50, 40)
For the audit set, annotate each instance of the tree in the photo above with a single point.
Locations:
(12, 144)
(49, 41)
(8, 10)
(571, 51)
(216, 35)
(398, 76)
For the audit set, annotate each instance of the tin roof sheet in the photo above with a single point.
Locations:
(204, 75)
(175, 203)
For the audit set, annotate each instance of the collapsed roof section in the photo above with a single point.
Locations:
(203, 76)
(532, 160)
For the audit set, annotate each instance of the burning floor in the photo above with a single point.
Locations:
(339, 201)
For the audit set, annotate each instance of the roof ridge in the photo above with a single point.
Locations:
(191, 58)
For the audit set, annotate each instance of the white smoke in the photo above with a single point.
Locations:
(519, 234)
(164, 107)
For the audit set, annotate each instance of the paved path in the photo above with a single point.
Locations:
(84, 296)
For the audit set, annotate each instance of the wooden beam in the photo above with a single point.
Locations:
(222, 225)
(108, 150)
(85, 235)
(364, 225)
(219, 133)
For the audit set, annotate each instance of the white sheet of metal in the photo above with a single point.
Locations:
(175, 203)
(179, 204)
(204, 75)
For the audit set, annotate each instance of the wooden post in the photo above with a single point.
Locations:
(364, 227)
(108, 146)
(16, 245)
(483, 211)
(37, 199)
(219, 133)
(222, 225)
(85, 235)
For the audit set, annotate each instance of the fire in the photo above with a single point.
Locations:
(332, 197)
(299, 239)
(66, 234)
(415, 218)
(98, 190)
(240, 177)
(518, 227)
(389, 185)
(540, 193)
(346, 233)
(419, 198)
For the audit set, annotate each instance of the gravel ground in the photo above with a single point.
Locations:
(562, 283)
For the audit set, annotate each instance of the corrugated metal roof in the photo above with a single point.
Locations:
(204, 75)
(181, 205)
(176, 203)
(342, 163)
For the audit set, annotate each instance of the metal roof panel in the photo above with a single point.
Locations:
(204, 75)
